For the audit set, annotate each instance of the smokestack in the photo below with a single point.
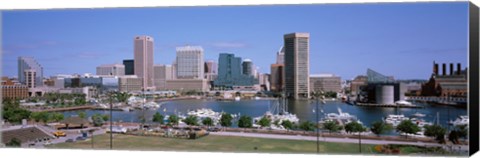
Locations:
(451, 68)
(459, 68)
(444, 69)
(435, 69)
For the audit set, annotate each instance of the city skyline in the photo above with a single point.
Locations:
(397, 38)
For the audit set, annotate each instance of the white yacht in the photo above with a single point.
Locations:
(461, 120)
(395, 119)
(404, 103)
(341, 117)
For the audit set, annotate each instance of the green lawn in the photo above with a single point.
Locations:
(215, 144)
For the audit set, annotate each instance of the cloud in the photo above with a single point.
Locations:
(229, 45)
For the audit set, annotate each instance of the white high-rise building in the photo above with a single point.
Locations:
(25, 63)
(297, 68)
(30, 78)
(111, 70)
(143, 60)
(189, 63)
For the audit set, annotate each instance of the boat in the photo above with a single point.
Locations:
(403, 103)
(417, 114)
(237, 98)
(461, 120)
(394, 120)
(151, 105)
(341, 117)
(277, 113)
(420, 122)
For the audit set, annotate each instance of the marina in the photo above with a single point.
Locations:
(301, 109)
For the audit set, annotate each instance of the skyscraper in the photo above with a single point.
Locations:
(247, 67)
(189, 63)
(276, 77)
(143, 60)
(129, 67)
(281, 55)
(25, 63)
(297, 68)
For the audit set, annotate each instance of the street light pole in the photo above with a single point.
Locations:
(111, 120)
(318, 130)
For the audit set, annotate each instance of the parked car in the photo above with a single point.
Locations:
(59, 134)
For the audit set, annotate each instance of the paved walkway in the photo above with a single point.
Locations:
(327, 139)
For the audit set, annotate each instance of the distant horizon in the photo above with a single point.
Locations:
(345, 39)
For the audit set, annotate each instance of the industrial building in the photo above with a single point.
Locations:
(453, 84)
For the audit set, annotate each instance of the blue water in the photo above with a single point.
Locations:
(303, 110)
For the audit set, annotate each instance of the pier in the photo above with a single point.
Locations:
(84, 107)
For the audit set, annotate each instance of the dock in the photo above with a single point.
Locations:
(386, 105)
(84, 107)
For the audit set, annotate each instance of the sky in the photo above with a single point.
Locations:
(395, 39)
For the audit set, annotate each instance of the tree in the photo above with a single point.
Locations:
(264, 122)
(245, 122)
(105, 117)
(380, 127)
(207, 121)
(331, 126)
(157, 117)
(82, 114)
(226, 120)
(287, 124)
(436, 131)
(97, 120)
(42, 116)
(173, 120)
(12, 112)
(57, 117)
(462, 131)
(14, 142)
(406, 126)
(307, 126)
(453, 136)
(354, 126)
(191, 120)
